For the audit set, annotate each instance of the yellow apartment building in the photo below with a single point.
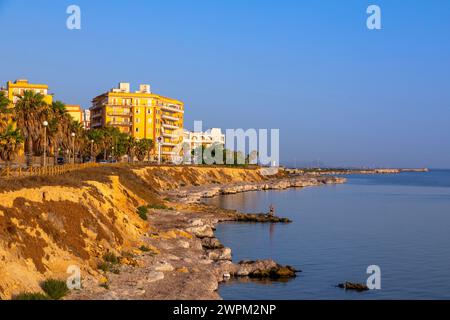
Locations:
(18, 87)
(75, 112)
(14, 90)
(141, 114)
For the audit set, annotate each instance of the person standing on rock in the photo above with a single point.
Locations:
(271, 211)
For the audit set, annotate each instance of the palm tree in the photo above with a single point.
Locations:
(58, 127)
(30, 113)
(10, 144)
(131, 148)
(143, 148)
(5, 111)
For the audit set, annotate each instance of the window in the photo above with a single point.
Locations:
(137, 120)
(137, 129)
(149, 111)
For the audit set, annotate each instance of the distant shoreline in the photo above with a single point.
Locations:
(330, 171)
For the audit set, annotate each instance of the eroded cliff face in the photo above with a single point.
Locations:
(170, 178)
(48, 224)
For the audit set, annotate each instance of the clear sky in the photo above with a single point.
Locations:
(338, 92)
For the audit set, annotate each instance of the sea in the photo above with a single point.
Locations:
(396, 225)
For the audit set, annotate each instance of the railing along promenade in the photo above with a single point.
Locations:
(8, 172)
(19, 172)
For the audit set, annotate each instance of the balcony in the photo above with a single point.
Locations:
(118, 114)
(170, 153)
(96, 115)
(119, 105)
(165, 116)
(120, 123)
(96, 124)
(170, 126)
(169, 135)
(168, 144)
(171, 108)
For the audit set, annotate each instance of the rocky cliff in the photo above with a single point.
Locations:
(47, 224)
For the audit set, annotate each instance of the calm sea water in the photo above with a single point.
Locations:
(399, 222)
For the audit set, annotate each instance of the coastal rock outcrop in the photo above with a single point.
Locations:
(353, 286)
(211, 243)
(260, 218)
(220, 254)
(261, 269)
(266, 269)
(204, 231)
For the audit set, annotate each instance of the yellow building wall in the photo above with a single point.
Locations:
(75, 112)
(141, 115)
(18, 87)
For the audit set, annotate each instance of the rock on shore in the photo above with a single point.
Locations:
(353, 286)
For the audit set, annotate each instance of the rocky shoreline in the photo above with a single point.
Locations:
(182, 258)
(195, 194)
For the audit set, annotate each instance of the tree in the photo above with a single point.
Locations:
(131, 148)
(59, 127)
(30, 113)
(142, 148)
(252, 157)
(95, 137)
(10, 143)
(5, 111)
(105, 139)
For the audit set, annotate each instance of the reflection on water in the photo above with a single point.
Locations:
(248, 280)
(399, 222)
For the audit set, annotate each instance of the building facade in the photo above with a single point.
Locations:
(207, 138)
(75, 112)
(141, 114)
(86, 119)
(18, 87)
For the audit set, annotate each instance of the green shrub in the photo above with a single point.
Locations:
(55, 289)
(105, 285)
(166, 199)
(115, 271)
(104, 266)
(111, 258)
(142, 212)
(31, 296)
(128, 254)
(144, 249)
(158, 206)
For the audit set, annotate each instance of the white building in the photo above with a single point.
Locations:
(207, 138)
(86, 119)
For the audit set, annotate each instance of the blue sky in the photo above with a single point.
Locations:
(339, 93)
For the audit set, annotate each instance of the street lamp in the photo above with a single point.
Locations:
(45, 123)
(73, 147)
